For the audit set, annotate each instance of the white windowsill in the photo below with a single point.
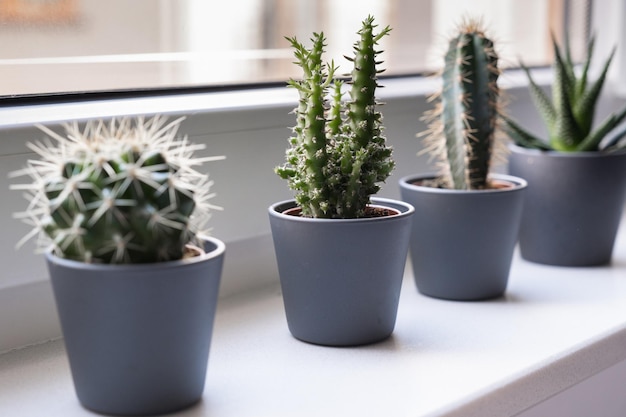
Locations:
(555, 328)
(227, 101)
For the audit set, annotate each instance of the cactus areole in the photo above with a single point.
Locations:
(121, 192)
(338, 155)
(463, 127)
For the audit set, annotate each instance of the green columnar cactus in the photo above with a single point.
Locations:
(569, 116)
(463, 129)
(338, 154)
(118, 192)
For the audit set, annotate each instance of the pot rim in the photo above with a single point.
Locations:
(404, 208)
(220, 248)
(563, 154)
(518, 184)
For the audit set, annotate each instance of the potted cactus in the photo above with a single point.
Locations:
(341, 253)
(577, 176)
(119, 209)
(466, 219)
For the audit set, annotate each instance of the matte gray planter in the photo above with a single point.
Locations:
(341, 278)
(138, 336)
(462, 242)
(573, 205)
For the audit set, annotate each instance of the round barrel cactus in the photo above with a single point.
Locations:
(123, 191)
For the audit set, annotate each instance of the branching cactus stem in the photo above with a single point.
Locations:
(338, 155)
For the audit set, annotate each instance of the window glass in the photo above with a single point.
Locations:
(56, 46)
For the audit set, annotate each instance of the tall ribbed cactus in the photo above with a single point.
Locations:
(117, 192)
(464, 125)
(338, 154)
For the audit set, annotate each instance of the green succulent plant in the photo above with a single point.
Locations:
(569, 115)
(463, 132)
(338, 154)
(125, 191)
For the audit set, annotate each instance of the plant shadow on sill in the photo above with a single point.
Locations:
(514, 298)
(388, 344)
(201, 408)
(569, 285)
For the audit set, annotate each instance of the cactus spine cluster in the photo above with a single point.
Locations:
(569, 116)
(125, 191)
(338, 153)
(463, 129)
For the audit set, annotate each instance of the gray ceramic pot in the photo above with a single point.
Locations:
(138, 336)
(573, 205)
(462, 242)
(341, 278)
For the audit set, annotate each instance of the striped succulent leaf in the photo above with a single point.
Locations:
(570, 113)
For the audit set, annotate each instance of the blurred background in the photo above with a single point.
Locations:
(61, 46)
